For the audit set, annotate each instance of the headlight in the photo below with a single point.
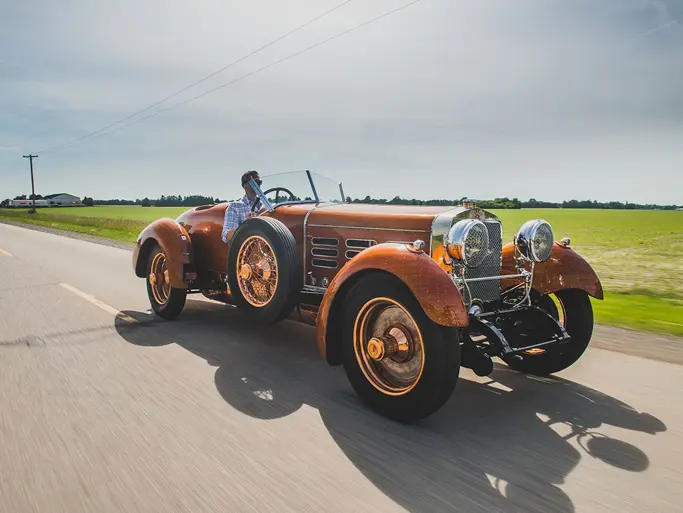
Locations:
(468, 241)
(535, 240)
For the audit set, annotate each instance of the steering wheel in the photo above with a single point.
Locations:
(277, 195)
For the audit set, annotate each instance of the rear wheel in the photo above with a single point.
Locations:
(167, 302)
(400, 363)
(264, 272)
(573, 309)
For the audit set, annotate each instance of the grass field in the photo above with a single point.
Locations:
(638, 255)
(122, 223)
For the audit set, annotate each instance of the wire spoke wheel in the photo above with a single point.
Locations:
(159, 280)
(264, 269)
(388, 346)
(257, 272)
(166, 301)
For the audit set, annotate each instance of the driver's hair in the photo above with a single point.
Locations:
(248, 176)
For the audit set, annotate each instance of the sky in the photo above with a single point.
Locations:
(544, 99)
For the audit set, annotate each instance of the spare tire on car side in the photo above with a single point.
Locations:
(264, 269)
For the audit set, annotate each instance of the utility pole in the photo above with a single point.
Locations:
(33, 188)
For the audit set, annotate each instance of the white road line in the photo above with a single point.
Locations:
(3, 252)
(91, 299)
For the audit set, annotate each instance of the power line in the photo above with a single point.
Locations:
(656, 29)
(203, 79)
(267, 66)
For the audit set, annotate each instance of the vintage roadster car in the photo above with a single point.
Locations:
(401, 296)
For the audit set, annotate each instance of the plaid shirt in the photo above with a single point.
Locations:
(236, 213)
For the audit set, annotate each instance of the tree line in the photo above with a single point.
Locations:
(194, 200)
(497, 203)
(514, 203)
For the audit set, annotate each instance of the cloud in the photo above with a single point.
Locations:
(494, 97)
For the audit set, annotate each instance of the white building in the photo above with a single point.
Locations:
(51, 200)
(27, 203)
(63, 199)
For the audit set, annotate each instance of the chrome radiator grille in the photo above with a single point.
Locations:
(488, 290)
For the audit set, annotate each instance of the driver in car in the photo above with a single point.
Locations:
(242, 209)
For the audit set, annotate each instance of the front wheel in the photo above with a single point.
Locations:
(167, 302)
(400, 363)
(573, 309)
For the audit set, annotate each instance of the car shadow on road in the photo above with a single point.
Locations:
(507, 444)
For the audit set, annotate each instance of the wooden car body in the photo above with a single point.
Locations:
(340, 244)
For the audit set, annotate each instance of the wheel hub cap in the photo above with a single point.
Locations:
(376, 349)
(245, 271)
(388, 346)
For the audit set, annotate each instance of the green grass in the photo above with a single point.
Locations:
(638, 255)
(134, 213)
(633, 252)
(118, 223)
(649, 313)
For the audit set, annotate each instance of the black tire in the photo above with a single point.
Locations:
(288, 263)
(170, 308)
(577, 311)
(441, 353)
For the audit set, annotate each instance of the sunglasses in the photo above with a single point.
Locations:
(257, 180)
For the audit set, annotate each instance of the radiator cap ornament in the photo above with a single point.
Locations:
(469, 203)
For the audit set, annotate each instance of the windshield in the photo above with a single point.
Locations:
(300, 187)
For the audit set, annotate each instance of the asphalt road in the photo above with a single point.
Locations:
(104, 408)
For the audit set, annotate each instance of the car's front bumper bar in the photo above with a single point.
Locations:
(517, 330)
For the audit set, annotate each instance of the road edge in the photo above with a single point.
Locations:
(72, 235)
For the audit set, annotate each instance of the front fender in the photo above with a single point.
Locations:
(176, 243)
(433, 288)
(565, 269)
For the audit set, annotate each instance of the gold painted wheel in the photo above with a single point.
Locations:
(159, 280)
(256, 271)
(388, 346)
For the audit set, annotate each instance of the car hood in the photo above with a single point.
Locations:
(394, 217)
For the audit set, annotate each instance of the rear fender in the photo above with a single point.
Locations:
(433, 288)
(176, 243)
(565, 269)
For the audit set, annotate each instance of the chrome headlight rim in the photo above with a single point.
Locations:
(457, 240)
(527, 240)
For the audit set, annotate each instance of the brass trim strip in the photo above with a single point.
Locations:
(304, 267)
(367, 228)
